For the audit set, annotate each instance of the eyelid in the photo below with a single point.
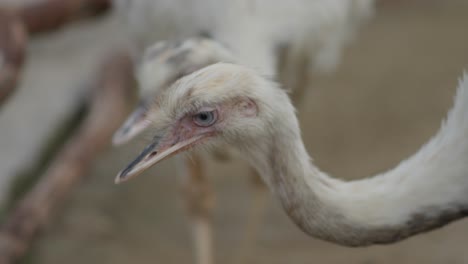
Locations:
(206, 109)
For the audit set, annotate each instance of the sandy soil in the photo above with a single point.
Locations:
(389, 96)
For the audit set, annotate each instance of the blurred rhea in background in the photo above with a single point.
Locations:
(66, 85)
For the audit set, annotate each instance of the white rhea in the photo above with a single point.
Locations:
(252, 29)
(254, 116)
(255, 32)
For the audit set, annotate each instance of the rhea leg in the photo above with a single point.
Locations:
(199, 201)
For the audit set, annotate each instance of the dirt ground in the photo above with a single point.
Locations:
(389, 96)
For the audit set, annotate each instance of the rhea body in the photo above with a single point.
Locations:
(232, 104)
(252, 29)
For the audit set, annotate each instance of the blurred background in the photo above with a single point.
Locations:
(393, 87)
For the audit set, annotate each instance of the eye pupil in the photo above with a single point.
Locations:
(205, 118)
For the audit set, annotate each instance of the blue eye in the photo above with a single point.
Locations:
(205, 118)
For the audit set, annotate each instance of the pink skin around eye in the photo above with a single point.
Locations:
(186, 128)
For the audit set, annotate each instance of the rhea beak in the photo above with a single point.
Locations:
(133, 126)
(152, 154)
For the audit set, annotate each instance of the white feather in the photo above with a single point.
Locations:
(251, 28)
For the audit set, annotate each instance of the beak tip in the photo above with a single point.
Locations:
(120, 178)
(117, 140)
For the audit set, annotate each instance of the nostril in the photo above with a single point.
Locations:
(152, 154)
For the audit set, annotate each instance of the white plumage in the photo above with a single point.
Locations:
(252, 29)
(254, 116)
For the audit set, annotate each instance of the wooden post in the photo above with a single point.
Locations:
(109, 106)
(13, 40)
(38, 17)
(47, 15)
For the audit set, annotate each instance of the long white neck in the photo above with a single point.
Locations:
(426, 191)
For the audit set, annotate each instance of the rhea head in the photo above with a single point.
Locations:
(219, 104)
(160, 66)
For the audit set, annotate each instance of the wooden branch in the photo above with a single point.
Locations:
(27, 177)
(13, 40)
(48, 15)
(38, 17)
(110, 104)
